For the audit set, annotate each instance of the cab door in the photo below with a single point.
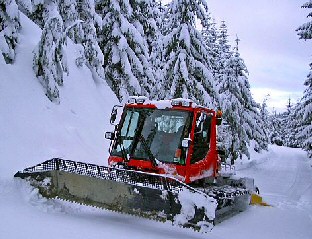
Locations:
(199, 165)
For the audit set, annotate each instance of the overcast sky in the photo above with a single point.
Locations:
(277, 60)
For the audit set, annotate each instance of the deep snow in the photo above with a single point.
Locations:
(33, 129)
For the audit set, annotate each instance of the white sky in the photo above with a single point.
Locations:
(277, 60)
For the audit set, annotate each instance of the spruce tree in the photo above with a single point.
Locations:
(223, 53)
(210, 36)
(145, 16)
(9, 29)
(37, 12)
(277, 130)
(292, 125)
(49, 61)
(157, 54)
(241, 112)
(126, 52)
(69, 12)
(306, 110)
(90, 24)
(305, 32)
(187, 72)
(265, 118)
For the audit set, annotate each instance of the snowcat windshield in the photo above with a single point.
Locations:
(155, 133)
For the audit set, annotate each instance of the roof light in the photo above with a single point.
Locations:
(175, 103)
(132, 100)
(186, 103)
(141, 99)
(181, 102)
(137, 99)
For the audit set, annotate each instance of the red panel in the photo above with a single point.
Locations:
(188, 172)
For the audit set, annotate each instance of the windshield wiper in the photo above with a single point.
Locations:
(147, 149)
(124, 154)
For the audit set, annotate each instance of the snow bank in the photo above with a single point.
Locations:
(33, 129)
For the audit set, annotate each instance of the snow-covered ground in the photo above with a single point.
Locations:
(283, 175)
(32, 130)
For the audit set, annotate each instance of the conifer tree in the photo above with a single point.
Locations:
(9, 28)
(231, 103)
(306, 111)
(223, 52)
(241, 112)
(292, 125)
(49, 61)
(187, 72)
(305, 32)
(145, 16)
(68, 10)
(210, 37)
(277, 130)
(265, 118)
(157, 54)
(91, 22)
(36, 11)
(126, 52)
(80, 21)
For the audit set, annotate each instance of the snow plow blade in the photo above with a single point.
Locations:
(152, 196)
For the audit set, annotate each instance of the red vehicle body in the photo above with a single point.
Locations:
(197, 144)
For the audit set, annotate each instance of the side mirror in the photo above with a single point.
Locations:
(114, 114)
(109, 135)
(200, 119)
(186, 142)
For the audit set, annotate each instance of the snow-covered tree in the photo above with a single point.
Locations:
(210, 36)
(79, 24)
(292, 125)
(68, 10)
(306, 110)
(157, 54)
(126, 52)
(147, 19)
(145, 14)
(241, 112)
(187, 72)
(35, 10)
(264, 115)
(9, 28)
(223, 52)
(90, 23)
(277, 129)
(305, 32)
(49, 62)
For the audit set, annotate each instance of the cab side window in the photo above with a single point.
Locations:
(201, 137)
